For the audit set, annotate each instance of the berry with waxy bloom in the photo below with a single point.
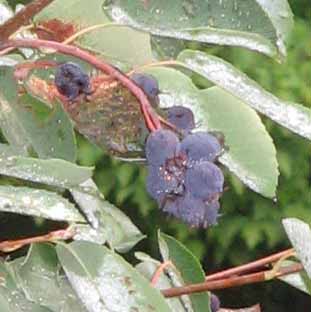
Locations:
(185, 183)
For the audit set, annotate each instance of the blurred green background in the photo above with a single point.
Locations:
(250, 226)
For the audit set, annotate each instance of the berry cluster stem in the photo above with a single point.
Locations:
(231, 281)
(151, 118)
(251, 266)
(12, 245)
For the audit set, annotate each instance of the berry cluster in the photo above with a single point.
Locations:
(183, 178)
(71, 81)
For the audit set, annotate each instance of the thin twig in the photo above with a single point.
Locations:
(157, 274)
(151, 118)
(11, 245)
(249, 266)
(229, 282)
(22, 18)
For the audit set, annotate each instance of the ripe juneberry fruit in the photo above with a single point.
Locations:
(71, 81)
(201, 146)
(186, 188)
(215, 303)
(204, 180)
(149, 85)
(161, 182)
(192, 211)
(160, 146)
(181, 117)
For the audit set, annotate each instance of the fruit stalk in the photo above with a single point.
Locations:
(230, 282)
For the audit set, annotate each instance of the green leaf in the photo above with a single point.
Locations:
(166, 48)
(10, 60)
(9, 122)
(295, 117)
(251, 154)
(7, 150)
(299, 233)
(106, 40)
(50, 130)
(256, 25)
(12, 299)
(26, 120)
(108, 222)
(56, 172)
(38, 203)
(105, 282)
(299, 280)
(188, 266)
(39, 272)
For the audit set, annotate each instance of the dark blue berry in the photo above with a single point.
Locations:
(191, 210)
(188, 209)
(201, 146)
(204, 180)
(71, 81)
(149, 85)
(161, 182)
(181, 117)
(160, 146)
(215, 303)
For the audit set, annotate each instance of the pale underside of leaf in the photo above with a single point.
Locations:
(295, 117)
(56, 172)
(108, 223)
(299, 233)
(105, 282)
(37, 203)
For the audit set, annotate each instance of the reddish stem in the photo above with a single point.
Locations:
(249, 266)
(11, 245)
(22, 18)
(151, 118)
(229, 282)
(157, 274)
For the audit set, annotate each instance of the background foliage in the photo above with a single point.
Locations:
(251, 226)
(252, 223)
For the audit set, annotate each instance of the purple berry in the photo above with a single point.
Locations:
(71, 81)
(149, 85)
(215, 303)
(191, 210)
(161, 183)
(161, 145)
(204, 181)
(181, 117)
(201, 146)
